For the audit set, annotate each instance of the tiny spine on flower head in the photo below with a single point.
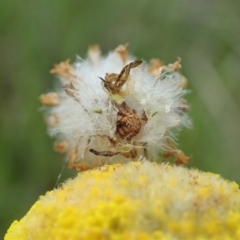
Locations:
(128, 114)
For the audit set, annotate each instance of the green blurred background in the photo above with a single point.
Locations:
(36, 34)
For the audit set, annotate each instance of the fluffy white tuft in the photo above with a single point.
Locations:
(87, 112)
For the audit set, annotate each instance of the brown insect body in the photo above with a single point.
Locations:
(127, 126)
(128, 123)
(113, 82)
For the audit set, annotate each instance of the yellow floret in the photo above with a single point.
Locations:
(138, 200)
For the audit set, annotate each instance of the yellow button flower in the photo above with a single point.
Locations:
(137, 200)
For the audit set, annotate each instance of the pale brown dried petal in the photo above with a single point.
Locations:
(50, 99)
(64, 70)
(155, 67)
(181, 158)
(73, 155)
(60, 147)
(122, 51)
(94, 53)
(176, 65)
(53, 120)
(183, 82)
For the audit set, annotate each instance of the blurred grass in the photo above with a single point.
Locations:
(36, 34)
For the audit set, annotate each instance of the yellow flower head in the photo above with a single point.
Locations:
(137, 200)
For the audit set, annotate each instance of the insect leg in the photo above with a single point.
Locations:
(104, 153)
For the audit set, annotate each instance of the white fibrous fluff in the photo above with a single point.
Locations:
(116, 108)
